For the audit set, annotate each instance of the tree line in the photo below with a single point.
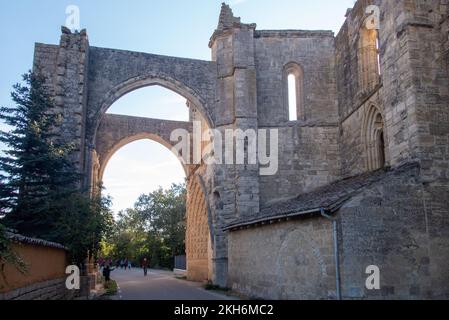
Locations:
(154, 229)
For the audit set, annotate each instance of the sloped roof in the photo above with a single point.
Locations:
(329, 198)
(33, 241)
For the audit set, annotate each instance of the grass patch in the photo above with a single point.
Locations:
(111, 288)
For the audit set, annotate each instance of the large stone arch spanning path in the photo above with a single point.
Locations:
(116, 131)
(114, 73)
(85, 81)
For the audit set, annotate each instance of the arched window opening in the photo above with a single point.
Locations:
(292, 104)
(378, 54)
(369, 60)
(374, 138)
(294, 91)
(381, 148)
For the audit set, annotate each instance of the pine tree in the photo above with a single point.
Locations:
(39, 186)
(34, 170)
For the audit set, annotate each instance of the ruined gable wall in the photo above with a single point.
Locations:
(314, 52)
(308, 148)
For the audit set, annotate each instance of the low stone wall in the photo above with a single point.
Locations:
(47, 290)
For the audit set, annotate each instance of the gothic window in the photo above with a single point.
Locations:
(294, 91)
(374, 138)
(369, 60)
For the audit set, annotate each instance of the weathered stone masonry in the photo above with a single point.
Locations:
(363, 173)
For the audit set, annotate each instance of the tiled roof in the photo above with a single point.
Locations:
(37, 242)
(329, 198)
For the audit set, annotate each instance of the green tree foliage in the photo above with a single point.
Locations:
(35, 170)
(155, 228)
(39, 187)
(81, 225)
(7, 255)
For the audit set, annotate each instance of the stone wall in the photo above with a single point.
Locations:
(413, 87)
(309, 155)
(308, 158)
(116, 131)
(428, 101)
(45, 56)
(113, 73)
(351, 94)
(46, 290)
(353, 148)
(290, 260)
(65, 69)
(198, 236)
(314, 52)
(354, 99)
(399, 225)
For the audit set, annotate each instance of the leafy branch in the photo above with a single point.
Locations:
(8, 256)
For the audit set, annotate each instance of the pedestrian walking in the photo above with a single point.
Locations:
(145, 266)
(107, 272)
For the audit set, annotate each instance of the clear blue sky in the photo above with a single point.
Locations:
(170, 27)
